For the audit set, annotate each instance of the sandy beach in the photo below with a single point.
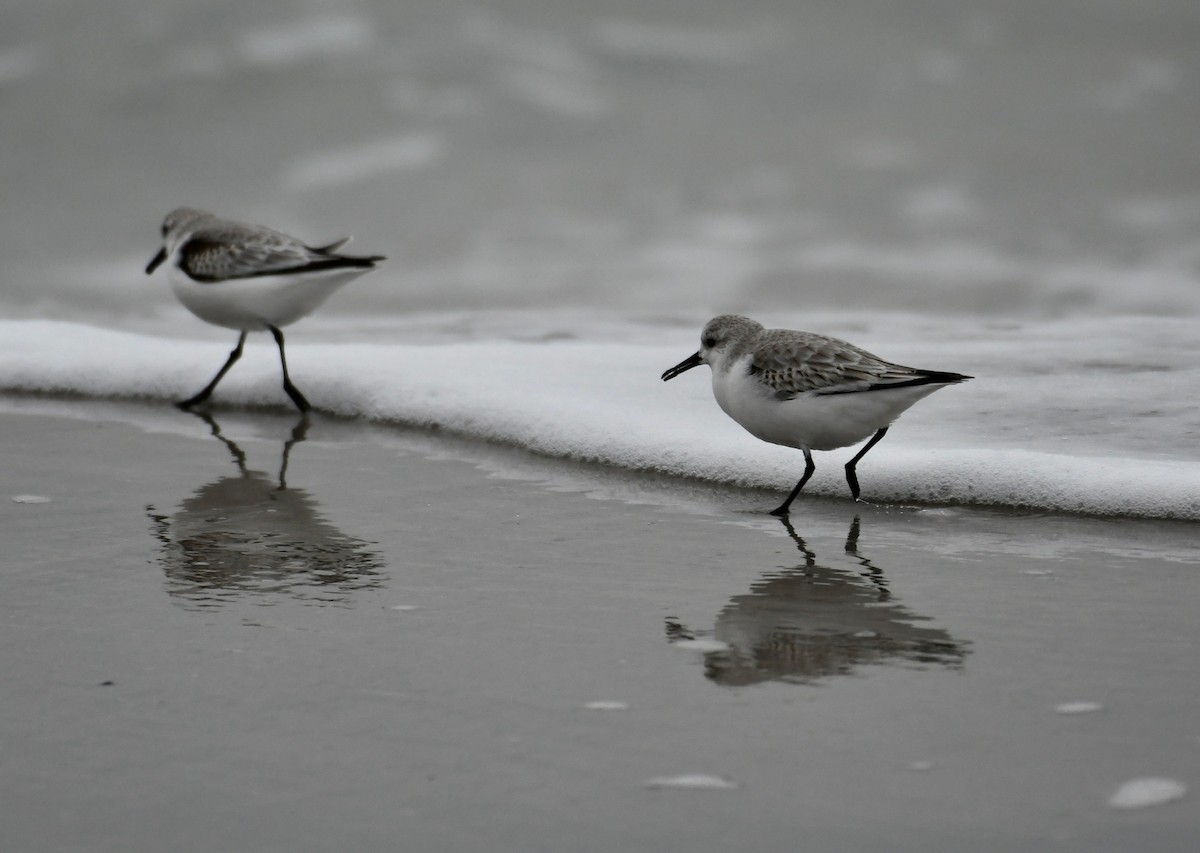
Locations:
(424, 643)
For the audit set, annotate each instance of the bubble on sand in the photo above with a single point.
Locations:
(692, 780)
(1077, 707)
(1147, 791)
(942, 511)
(404, 607)
(607, 705)
(30, 499)
(702, 645)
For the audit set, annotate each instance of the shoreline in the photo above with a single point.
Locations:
(468, 647)
(745, 454)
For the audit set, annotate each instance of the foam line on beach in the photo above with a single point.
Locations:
(604, 403)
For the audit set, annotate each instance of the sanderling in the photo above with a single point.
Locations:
(805, 390)
(250, 278)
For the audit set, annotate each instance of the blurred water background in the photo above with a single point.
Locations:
(990, 156)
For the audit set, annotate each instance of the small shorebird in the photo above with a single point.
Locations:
(250, 278)
(805, 390)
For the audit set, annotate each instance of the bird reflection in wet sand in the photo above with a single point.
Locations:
(812, 622)
(251, 536)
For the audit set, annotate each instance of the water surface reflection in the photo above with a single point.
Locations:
(250, 535)
(814, 621)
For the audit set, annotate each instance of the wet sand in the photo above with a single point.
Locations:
(397, 649)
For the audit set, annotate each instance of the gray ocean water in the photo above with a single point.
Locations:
(990, 157)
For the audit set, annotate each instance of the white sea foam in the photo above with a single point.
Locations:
(697, 781)
(955, 262)
(1081, 707)
(1164, 284)
(359, 162)
(305, 38)
(702, 645)
(541, 67)
(639, 39)
(1091, 416)
(1147, 791)
(943, 204)
(568, 97)
(607, 705)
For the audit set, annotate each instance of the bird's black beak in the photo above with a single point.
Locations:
(688, 363)
(157, 260)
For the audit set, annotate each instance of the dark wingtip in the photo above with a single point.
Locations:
(923, 377)
(329, 253)
(938, 377)
(337, 262)
(364, 261)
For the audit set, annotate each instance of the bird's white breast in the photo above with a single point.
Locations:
(252, 304)
(819, 422)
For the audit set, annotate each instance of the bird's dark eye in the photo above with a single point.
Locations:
(708, 342)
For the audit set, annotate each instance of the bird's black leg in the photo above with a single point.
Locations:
(239, 455)
(292, 390)
(299, 433)
(851, 476)
(810, 557)
(208, 389)
(809, 467)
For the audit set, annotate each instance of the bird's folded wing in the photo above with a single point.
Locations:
(235, 251)
(822, 365)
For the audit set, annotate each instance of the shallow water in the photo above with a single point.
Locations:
(909, 660)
